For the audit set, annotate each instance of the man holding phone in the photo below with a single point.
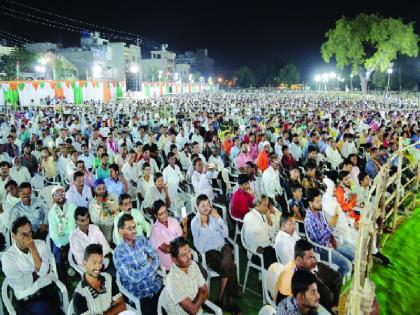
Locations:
(115, 183)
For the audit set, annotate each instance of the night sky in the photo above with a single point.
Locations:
(236, 33)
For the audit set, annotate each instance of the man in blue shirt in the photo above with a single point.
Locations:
(209, 232)
(115, 183)
(137, 263)
(320, 233)
(372, 165)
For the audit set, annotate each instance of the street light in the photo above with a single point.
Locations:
(96, 71)
(134, 68)
(176, 76)
(160, 75)
(40, 69)
(220, 79)
(318, 79)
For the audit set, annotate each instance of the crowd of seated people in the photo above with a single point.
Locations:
(131, 194)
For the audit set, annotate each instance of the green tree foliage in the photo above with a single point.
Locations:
(246, 77)
(59, 69)
(289, 74)
(369, 43)
(26, 60)
(379, 79)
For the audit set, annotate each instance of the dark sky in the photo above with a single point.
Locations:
(235, 32)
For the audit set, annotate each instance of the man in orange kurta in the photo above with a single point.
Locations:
(345, 197)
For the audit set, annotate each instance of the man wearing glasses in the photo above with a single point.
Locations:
(137, 263)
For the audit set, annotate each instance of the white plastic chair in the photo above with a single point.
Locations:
(269, 282)
(129, 296)
(7, 292)
(163, 302)
(74, 264)
(237, 223)
(250, 264)
(267, 310)
(70, 311)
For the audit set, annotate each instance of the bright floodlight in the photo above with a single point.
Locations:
(96, 71)
(317, 78)
(40, 69)
(325, 76)
(351, 75)
(220, 80)
(389, 70)
(176, 75)
(134, 68)
(332, 75)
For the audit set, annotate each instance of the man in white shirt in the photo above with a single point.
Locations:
(87, 157)
(201, 178)
(86, 234)
(147, 158)
(270, 181)
(131, 174)
(172, 176)
(348, 147)
(286, 239)
(63, 160)
(172, 140)
(79, 193)
(333, 155)
(258, 229)
(295, 149)
(181, 139)
(26, 265)
(19, 173)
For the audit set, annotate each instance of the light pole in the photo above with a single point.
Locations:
(351, 82)
(318, 81)
(134, 70)
(325, 78)
(389, 71)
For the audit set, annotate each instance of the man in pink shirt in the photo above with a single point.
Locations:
(165, 230)
(243, 157)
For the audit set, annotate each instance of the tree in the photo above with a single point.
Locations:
(246, 77)
(369, 43)
(59, 69)
(25, 58)
(289, 74)
(379, 79)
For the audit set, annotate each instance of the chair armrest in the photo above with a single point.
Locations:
(223, 208)
(6, 301)
(64, 294)
(235, 255)
(194, 255)
(217, 310)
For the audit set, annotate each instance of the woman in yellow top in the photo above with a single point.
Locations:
(48, 164)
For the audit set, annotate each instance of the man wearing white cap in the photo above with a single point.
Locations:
(60, 223)
(263, 157)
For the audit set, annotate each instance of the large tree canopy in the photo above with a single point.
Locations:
(25, 58)
(369, 43)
